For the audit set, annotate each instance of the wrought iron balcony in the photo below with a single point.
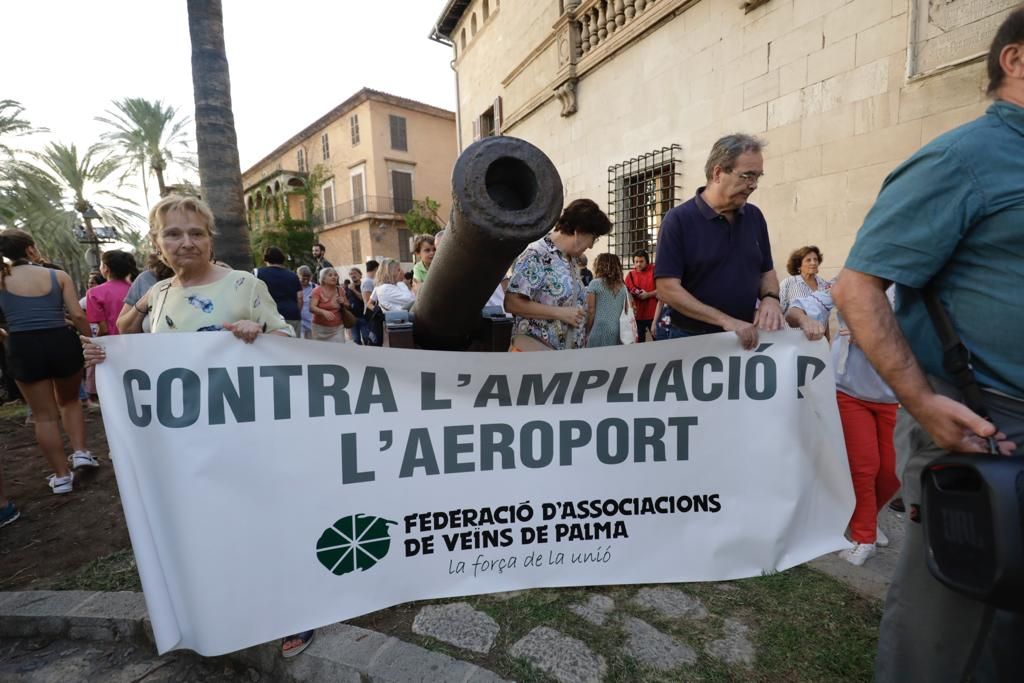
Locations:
(369, 204)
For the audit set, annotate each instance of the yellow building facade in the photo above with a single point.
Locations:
(370, 157)
(627, 97)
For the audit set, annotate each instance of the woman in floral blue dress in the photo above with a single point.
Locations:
(545, 293)
(607, 299)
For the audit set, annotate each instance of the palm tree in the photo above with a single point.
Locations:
(11, 124)
(219, 171)
(79, 182)
(147, 136)
(31, 201)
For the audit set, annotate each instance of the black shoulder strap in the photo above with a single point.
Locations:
(956, 359)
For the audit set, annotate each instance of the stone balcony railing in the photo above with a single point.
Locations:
(598, 20)
(588, 33)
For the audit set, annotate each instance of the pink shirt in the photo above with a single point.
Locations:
(103, 303)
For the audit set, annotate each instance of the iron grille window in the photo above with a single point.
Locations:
(353, 123)
(640, 193)
(325, 146)
(398, 137)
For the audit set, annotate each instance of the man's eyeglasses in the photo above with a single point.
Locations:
(750, 177)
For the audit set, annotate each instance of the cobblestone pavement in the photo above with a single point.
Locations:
(666, 631)
(46, 660)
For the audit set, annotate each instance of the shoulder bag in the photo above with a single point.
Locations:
(972, 504)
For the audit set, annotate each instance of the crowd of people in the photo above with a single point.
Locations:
(948, 217)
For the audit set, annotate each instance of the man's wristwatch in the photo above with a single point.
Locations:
(771, 295)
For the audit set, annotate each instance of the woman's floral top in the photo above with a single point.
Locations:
(543, 274)
(205, 308)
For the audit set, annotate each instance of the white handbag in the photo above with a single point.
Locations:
(627, 324)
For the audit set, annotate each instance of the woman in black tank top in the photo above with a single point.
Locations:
(43, 354)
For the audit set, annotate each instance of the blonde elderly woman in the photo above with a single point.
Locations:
(391, 293)
(200, 297)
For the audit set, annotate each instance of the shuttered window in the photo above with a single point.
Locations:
(401, 187)
(398, 136)
(358, 196)
(357, 247)
(404, 249)
(328, 192)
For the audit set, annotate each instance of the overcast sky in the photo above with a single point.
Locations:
(291, 61)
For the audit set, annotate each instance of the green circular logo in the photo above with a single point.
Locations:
(354, 542)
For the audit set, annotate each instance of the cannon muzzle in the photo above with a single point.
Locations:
(506, 193)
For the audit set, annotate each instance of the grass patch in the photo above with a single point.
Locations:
(13, 410)
(115, 572)
(805, 626)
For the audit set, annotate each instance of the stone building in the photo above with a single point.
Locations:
(370, 156)
(627, 96)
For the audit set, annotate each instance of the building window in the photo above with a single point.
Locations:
(357, 247)
(640, 193)
(353, 123)
(328, 199)
(300, 160)
(472, 25)
(398, 137)
(487, 10)
(358, 194)
(462, 40)
(325, 147)
(489, 123)
(404, 248)
(401, 191)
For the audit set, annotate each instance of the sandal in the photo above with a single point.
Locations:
(304, 638)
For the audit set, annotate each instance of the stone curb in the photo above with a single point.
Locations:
(339, 652)
(863, 582)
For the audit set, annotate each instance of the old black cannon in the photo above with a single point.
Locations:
(506, 193)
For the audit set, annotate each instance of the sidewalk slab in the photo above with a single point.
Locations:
(339, 652)
(39, 613)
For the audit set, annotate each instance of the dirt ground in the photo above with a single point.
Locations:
(56, 534)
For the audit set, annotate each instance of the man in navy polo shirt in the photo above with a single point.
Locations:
(714, 261)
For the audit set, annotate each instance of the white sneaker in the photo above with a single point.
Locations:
(881, 540)
(61, 484)
(82, 459)
(858, 554)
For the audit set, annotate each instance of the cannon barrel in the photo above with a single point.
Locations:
(506, 193)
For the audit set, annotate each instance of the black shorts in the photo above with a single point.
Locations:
(36, 355)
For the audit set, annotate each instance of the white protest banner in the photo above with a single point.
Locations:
(285, 485)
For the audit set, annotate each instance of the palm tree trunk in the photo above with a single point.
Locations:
(145, 187)
(220, 174)
(158, 166)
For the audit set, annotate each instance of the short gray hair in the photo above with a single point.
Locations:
(727, 150)
(304, 270)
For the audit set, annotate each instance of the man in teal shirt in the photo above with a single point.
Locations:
(951, 215)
